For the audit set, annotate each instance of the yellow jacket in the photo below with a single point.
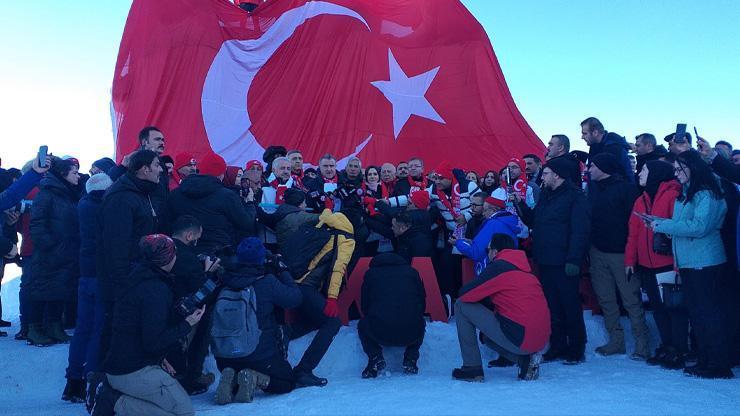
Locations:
(345, 248)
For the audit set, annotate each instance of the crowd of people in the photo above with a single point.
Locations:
(158, 260)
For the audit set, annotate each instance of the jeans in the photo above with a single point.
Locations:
(311, 317)
(84, 348)
(468, 317)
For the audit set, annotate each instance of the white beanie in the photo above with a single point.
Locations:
(98, 182)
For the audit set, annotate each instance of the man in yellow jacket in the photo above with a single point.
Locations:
(325, 276)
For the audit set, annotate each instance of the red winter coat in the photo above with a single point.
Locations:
(517, 297)
(639, 248)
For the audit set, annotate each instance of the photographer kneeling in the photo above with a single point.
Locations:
(146, 327)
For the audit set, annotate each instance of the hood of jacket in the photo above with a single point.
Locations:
(335, 220)
(517, 258)
(510, 220)
(200, 186)
(388, 259)
(613, 138)
(237, 275)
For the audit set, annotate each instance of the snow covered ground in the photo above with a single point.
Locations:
(32, 380)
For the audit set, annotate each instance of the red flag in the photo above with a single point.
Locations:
(384, 79)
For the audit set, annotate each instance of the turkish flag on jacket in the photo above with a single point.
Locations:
(384, 80)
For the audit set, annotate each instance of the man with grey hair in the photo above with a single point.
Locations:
(388, 176)
(279, 180)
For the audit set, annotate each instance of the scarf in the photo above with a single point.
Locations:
(451, 202)
(417, 185)
(280, 188)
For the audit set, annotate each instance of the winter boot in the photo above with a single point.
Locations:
(529, 367)
(575, 357)
(22, 335)
(659, 356)
(500, 362)
(248, 381)
(74, 391)
(225, 389)
(409, 366)
(673, 359)
(553, 354)
(468, 373)
(308, 379)
(105, 400)
(55, 331)
(37, 337)
(375, 365)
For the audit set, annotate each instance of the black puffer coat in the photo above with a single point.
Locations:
(56, 236)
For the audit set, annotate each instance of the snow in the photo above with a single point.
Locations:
(32, 380)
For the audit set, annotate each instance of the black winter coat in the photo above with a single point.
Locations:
(126, 215)
(87, 211)
(145, 325)
(287, 219)
(188, 270)
(616, 145)
(393, 300)
(611, 208)
(417, 241)
(159, 195)
(271, 291)
(226, 220)
(561, 223)
(56, 237)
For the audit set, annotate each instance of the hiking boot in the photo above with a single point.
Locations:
(308, 379)
(198, 385)
(74, 390)
(105, 400)
(94, 379)
(529, 367)
(22, 335)
(500, 362)
(37, 337)
(375, 365)
(248, 380)
(409, 366)
(673, 360)
(56, 332)
(711, 373)
(468, 373)
(225, 389)
(611, 348)
(553, 354)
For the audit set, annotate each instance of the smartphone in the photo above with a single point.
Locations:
(43, 152)
(680, 136)
(696, 133)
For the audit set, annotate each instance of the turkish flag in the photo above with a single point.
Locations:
(383, 79)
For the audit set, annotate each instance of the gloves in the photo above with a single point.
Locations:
(370, 204)
(572, 269)
(331, 309)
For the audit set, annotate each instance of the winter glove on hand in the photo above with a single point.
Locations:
(572, 269)
(331, 309)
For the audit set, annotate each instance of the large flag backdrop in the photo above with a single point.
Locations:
(382, 79)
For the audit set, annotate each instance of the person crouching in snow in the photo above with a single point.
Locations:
(507, 305)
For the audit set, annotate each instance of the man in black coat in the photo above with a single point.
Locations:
(560, 225)
(319, 190)
(410, 227)
(145, 328)
(647, 149)
(393, 304)
(601, 141)
(225, 218)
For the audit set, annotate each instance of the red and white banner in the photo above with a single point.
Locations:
(382, 79)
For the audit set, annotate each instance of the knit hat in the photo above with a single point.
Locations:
(157, 249)
(98, 182)
(309, 171)
(420, 199)
(212, 164)
(184, 159)
(561, 166)
(272, 152)
(104, 164)
(607, 163)
(444, 170)
(253, 163)
(251, 251)
(294, 197)
(498, 198)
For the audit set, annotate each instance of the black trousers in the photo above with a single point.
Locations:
(107, 332)
(278, 368)
(673, 325)
(49, 311)
(702, 289)
(566, 314)
(311, 317)
(448, 268)
(373, 347)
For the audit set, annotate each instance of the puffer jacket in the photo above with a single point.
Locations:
(345, 248)
(286, 220)
(639, 249)
(502, 222)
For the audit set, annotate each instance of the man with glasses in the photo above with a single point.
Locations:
(476, 208)
(414, 181)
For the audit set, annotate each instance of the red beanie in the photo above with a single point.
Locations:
(253, 163)
(519, 162)
(158, 249)
(184, 159)
(420, 199)
(212, 164)
(444, 170)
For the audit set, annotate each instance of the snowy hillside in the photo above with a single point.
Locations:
(32, 380)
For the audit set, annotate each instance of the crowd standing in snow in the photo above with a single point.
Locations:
(157, 260)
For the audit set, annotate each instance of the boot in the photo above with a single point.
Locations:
(225, 389)
(22, 335)
(199, 384)
(308, 379)
(659, 356)
(74, 390)
(105, 400)
(248, 381)
(712, 373)
(501, 362)
(37, 337)
(468, 373)
(375, 365)
(55, 331)
(611, 348)
(409, 366)
(529, 367)
(94, 379)
(673, 359)
(554, 354)
(4, 323)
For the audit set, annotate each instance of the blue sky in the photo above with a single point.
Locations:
(637, 65)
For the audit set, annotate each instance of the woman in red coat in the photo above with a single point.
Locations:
(661, 191)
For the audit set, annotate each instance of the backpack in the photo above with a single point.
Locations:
(235, 332)
(304, 244)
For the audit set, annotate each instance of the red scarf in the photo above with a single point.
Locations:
(417, 185)
(452, 202)
(520, 185)
(279, 190)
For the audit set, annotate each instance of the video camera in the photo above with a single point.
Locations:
(187, 305)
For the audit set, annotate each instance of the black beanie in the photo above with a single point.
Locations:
(658, 172)
(294, 197)
(607, 163)
(272, 152)
(561, 166)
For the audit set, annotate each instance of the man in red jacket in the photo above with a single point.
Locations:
(507, 304)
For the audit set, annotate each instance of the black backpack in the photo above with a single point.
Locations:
(305, 243)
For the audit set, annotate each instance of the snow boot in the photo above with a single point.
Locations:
(308, 379)
(529, 367)
(500, 362)
(55, 331)
(673, 360)
(37, 337)
(409, 366)
(468, 373)
(375, 365)
(74, 390)
(574, 358)
(225, 389)
(248, 381)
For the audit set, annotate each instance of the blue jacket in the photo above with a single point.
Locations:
(695, 230)
(502, 222)
(19, 189)
(616, 145)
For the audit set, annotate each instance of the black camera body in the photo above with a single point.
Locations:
(274, 264)
(187, 305)
(24, 205)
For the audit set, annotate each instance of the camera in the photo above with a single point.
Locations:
(187, 305)
(24, 205)
(274, 263)
(204, 257)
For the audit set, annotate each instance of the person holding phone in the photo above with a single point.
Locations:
(19, 189)
(700, 257)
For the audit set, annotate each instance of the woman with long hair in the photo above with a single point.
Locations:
(489, 182)
(699, 255)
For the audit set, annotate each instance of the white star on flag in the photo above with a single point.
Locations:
(406, 94)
